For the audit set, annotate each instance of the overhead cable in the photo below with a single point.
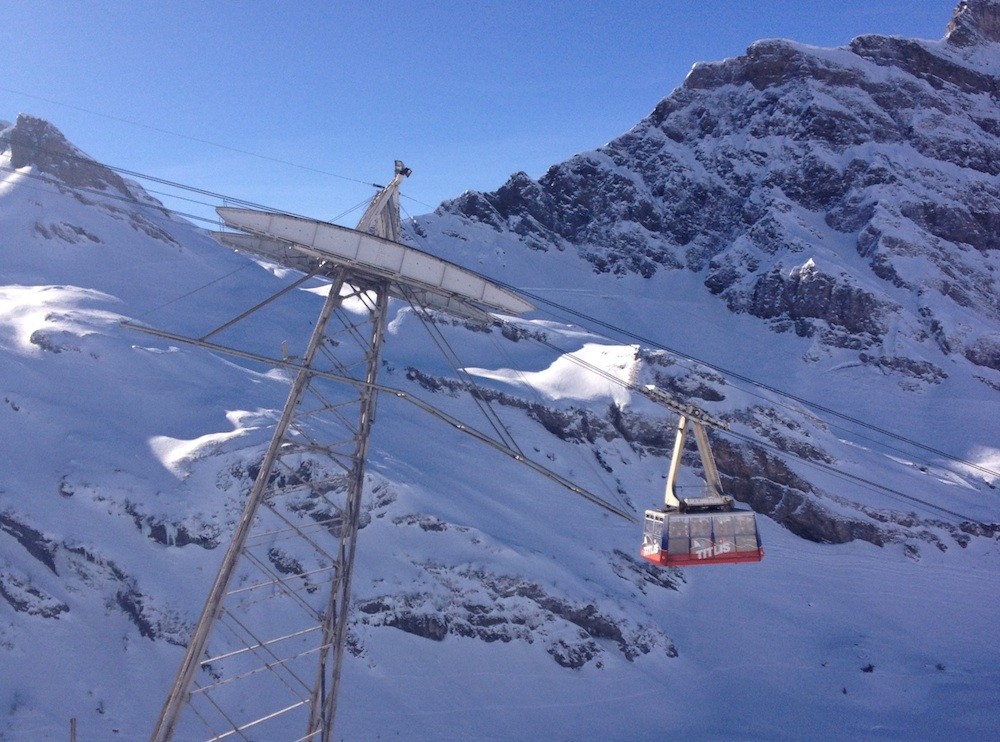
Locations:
(563, 308)
(725, 430)
(747, 379)
(199, 140)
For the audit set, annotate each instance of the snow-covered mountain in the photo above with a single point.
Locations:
(823, 221)
(846, 199)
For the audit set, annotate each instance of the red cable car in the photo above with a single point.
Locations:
(698, 530)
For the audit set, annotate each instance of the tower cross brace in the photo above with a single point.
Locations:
(299, 525)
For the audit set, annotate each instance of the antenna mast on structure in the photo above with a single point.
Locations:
(265, 656)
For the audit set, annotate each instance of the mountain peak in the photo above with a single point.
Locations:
(32, 141)
(974, 22)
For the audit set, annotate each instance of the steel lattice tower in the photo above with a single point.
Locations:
(265, 656)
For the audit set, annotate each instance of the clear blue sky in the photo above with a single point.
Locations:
(466, 93)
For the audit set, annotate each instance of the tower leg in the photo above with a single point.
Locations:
(323, 704)
(272, 640)
(180, 690)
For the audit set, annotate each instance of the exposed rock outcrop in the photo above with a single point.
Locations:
(34, 141)
(770, 173)
(975, 22)
(476, 604)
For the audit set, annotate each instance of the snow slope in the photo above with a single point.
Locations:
(489, 603)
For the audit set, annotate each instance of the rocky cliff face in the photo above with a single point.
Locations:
(848, 197)
(974, 23)
(834, 193)
(35, 142)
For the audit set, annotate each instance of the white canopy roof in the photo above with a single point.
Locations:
(288, 239)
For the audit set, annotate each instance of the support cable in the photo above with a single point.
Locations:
(400, 394)
(440, 414)
(749, 380)
(847, 476)
(199, 140)
(451, 358)
(725, 430)
(260, 305)
(587, 461)
(163, 212)
(555, 305)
